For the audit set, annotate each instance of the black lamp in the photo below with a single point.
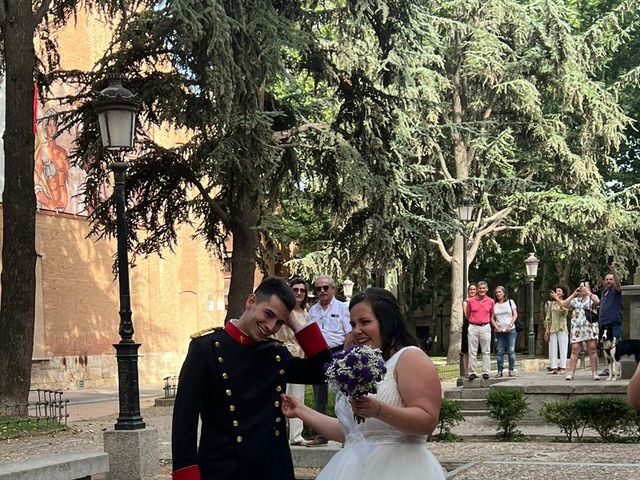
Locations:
(117, 116)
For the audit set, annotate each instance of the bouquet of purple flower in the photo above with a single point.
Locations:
(356, 372)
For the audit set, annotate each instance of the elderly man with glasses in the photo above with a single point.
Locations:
(332, 316)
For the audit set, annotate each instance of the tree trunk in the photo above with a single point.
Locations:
(243, 260)
(457, 296)
(17, 303)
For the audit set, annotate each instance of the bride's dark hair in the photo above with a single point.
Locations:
(394, 332)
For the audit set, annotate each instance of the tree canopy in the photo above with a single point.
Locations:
(376, 119)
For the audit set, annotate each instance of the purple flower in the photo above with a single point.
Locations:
(352, 384)
(366, 374)
(357, 370)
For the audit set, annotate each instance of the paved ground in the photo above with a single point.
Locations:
(477, 457)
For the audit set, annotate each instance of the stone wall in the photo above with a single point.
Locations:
(100, 371)
(77, 313)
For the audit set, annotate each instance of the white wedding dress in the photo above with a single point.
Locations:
(375, 451)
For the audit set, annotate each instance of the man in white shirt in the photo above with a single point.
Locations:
(332, 316)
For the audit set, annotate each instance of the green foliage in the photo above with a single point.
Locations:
(308, 401)
(609, 416)
(566, 416)
(507, 406)
(448, 371)
(11, 427)
(631, 428)
(605, 414)
(354, 128)
(450, 416)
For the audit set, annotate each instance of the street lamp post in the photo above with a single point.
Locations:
(465, 214)
(347, 288)
(117, 116)
(531, 264)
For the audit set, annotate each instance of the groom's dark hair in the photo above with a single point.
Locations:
(271, 286)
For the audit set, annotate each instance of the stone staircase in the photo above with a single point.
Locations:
(472, 395)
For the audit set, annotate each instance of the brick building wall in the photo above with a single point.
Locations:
(77, 298)
(77, 314)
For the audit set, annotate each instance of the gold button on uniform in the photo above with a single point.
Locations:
(232, 408)
(281, 372)
(217, 344)
(277, 433)
(228, 392)
(220, 360)
(276, 403)
(278, 419)
(278, 388)
(235, 423)
(225, 376)
(239, 439)
(278, 358)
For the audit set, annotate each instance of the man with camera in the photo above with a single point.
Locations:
(611, 307)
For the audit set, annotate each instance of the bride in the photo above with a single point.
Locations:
(391, 443)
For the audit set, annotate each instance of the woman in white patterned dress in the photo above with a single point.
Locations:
(391, 443)
(582, 302)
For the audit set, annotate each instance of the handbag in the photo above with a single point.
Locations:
(519, 323)
(592, 315)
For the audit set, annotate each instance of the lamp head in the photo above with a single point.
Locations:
(347, 287)
(117, 116)
(465, 210)
(531, 264)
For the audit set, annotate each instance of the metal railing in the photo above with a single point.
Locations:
(170, 386)
(46, 409)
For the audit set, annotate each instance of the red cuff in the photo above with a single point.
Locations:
(311, 340)
(191, 472)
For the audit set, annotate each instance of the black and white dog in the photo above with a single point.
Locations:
(609, 345)
(628, 347)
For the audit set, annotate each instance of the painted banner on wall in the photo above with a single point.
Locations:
(58, 184)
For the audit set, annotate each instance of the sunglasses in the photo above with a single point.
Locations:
(321, 288)
(300, 290)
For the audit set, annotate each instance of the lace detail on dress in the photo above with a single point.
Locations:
(376, 431)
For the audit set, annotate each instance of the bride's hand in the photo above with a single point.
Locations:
(291, 406)
(366, 407)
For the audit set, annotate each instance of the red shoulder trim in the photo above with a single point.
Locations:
(192, 472)
(311, 340)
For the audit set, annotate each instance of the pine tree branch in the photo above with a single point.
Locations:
(285, 134)
(443, 163)
(492, 223)
(215, 206)
(443, 250)
(3, 13)
(41, 12)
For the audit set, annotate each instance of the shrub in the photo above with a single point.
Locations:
(605, 414)
(308, 401)
(631, 428)
(507, 406)
(450, 416)
(566, 416)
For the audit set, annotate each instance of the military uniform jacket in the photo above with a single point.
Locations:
(235, 389)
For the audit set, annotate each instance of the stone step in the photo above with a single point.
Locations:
(474, 393)
(462, 393)
(453, 393)
(480, 382)
(472, 404)
(474, 413)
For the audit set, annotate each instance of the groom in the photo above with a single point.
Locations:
(232, 379)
